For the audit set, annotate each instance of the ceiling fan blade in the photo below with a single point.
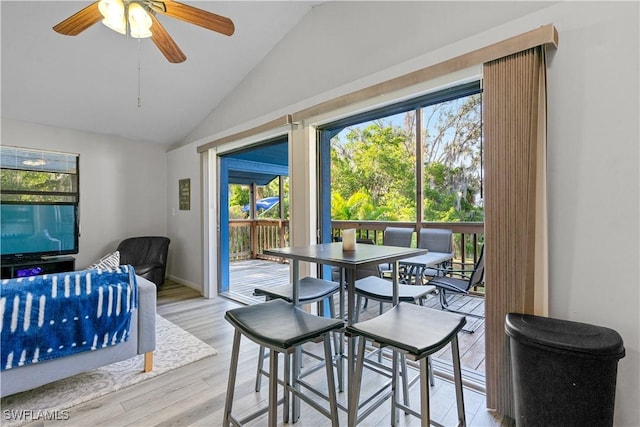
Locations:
(193, 15)
(165, 43)
(77, 23)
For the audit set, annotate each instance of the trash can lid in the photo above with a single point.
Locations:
(566, 336)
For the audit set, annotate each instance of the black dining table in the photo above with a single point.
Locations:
(349, 261)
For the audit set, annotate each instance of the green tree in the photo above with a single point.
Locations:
(238, 195)
(374, 161)
(46, 182)
(452, 166)
(373, 165)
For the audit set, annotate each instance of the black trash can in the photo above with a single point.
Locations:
(564, 373)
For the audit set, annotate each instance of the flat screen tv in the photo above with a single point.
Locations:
(34, 230)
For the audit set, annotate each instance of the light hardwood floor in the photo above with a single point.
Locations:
(194, 395)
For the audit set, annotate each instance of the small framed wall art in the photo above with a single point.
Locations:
(184, 194)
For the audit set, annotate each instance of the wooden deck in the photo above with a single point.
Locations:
(246, 275)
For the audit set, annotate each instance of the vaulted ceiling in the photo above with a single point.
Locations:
(104, 82)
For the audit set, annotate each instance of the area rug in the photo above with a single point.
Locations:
(175, 348)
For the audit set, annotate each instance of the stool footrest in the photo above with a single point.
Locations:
(371, 404)
(309, 401)
(240, 422)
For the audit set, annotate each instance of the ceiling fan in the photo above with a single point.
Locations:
(137, 17)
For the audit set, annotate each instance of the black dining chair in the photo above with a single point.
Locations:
(459, 282)
(435, 240)
(395, 236)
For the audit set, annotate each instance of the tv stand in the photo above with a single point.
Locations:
(35, 267)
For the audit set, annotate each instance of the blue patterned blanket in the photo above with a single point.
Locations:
(55, 315)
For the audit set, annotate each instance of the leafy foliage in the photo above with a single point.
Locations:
(37, 181)
(374, 170)
(239, 196)
(373, 166)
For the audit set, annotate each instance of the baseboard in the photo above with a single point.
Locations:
(186, 283)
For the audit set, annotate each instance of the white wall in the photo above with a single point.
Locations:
(593, 144)
(184, 226)
(338, 43)
(122, 184)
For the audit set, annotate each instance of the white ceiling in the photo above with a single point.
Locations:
(90, 82)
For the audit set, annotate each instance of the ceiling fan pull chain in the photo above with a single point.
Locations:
(139, 75)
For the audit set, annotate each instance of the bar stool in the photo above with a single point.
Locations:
(378, 289)
(281, 327)
(310, 290)
(381, 290)
(417, 332)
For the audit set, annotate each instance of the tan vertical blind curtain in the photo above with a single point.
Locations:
(515, 221)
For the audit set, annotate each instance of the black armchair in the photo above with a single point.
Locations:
(147, 255)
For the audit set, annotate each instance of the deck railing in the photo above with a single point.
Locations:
(468, 236)
(248, 238)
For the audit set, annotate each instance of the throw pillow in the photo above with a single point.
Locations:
(107, 262)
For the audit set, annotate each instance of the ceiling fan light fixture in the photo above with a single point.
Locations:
(139, 21)
(113, 13)
(138, 18)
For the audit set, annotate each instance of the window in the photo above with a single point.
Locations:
(38, 176)
(38, 203)
(267, 200)
(452, 160)
(373, 158)
(373, 170)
